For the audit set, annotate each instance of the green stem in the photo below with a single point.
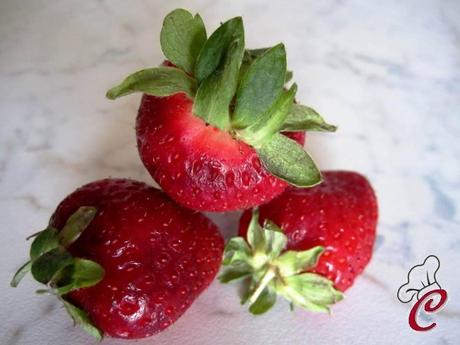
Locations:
(266, 279)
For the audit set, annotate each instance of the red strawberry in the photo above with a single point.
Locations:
(336, 219)
(339, 214)
(198, 165)
(210, 121)
(157, 257)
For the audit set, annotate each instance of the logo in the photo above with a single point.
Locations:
(429, 296)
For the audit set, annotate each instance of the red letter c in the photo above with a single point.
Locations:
(428, 308)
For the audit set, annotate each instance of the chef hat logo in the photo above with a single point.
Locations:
(421, 279)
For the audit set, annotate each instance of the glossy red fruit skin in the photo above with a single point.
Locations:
(340, 214)
(198, 165)
(157, 256)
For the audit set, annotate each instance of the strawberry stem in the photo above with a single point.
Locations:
(276, 271)
(266, 279)
(51, 264)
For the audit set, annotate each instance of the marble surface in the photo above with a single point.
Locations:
(387, 72)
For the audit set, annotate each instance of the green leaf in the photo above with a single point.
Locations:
(264, 302)
(316, 288)
(260, 87)
(270, 122)
(182, 38)
(46, 266)
(75, 225)
(310, 291)
(255, 53)
(302, 118)
(45, 241)
(21, 272)
(287, 160)
(158, 81)
(297, 299)
(82, 273)
(237, 271)
(276, 240)
(247, 60)
(250, 55)
(255, 234)
(34, 235)
(248, 288)
(236, 250)
(215, 48)
(216, 92)
(271, 226)
(82, 319)
(292, 262)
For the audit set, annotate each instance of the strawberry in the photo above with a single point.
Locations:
(201, 166)
(327, 231)
(209, 127)
(125, 260)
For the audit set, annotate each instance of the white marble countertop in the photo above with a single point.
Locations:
(387, 72)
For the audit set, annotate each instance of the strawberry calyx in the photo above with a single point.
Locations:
(271, 271)
(52, 265)
(238, 90)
